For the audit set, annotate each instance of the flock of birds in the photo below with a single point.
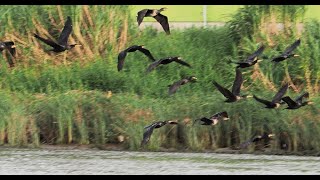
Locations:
(231, 96)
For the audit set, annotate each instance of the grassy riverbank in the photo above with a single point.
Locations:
(83, 99)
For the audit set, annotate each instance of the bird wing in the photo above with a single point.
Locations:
(278, 58)
(267, 103)
(182, 62)
(163, 20)
(9, 47)
(255, 54)
(280, 93)
(153, 65)
(248, 142)
(237, 83)
(245, 144)
(63, 38)
(289, 101)
(223, 90)
(147, 134)
(172, 122)
(147, 53)
(9, 43)
(122, 55)
(175, 86)
(304, 95)
(206, 121)
(141, 15)
(219, 114)
(292, 47)
(47, 41)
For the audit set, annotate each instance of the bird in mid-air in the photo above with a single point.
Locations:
(149, 130)
(252, 59)
(288, 52)
(176, 85)
(165, 61)
(9, 45)
(275, 102)
(156, 14)
(213, 120)
(257, 138)
(298, 102)
(122, 55)
(234, 95)
(62, 43)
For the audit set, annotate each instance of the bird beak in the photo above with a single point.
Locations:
(249, 96)
(13, 46)
(296, 55)
(225, 118)
(271, 135)
(310, 102)
(142, 46)
(179, 58)
(259, 60)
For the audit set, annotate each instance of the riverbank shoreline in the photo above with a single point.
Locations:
(120, 147)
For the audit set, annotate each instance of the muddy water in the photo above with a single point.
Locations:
(36, 161)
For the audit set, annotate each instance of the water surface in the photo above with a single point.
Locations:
(47, 161)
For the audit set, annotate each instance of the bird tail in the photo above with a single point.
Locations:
(245, 144)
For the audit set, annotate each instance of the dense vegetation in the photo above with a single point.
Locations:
(79, 97)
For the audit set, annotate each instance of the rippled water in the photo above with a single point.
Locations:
(35, 161)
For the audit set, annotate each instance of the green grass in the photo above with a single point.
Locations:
(48, 100)
(215, 13)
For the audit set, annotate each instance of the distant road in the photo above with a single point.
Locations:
(183, 25)
(180, 25)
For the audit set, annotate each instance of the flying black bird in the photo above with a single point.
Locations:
(213, 120)
(275, 103)
(122, 55)
(155, 13)
(149, 130)
(62, 43)
(174, 87)
(252, 59)
(258, 138)
(9, 45)
(297, 103)
(167, 61)
(235, 94)
(288, 52)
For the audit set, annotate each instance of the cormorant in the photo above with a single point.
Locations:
(122, 55)
(174, 87)
(275, 103)
(155, 13)
(9, 45)
(149, 130)
(288, 52)
(252, 59)
(235, 94)
(167, 61)
(297, 103)
(213, 120)
(62, 43)
(258, 138)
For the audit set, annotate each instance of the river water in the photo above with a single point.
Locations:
(85, 162)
